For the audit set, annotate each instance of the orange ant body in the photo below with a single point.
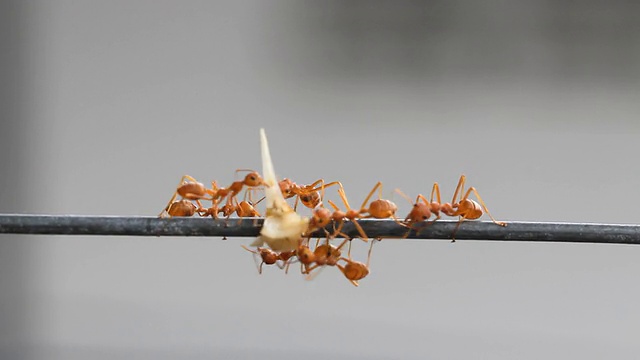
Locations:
(379, 209)
(339, 216)
(326, 255)
(309, 195)
(305, 256)
(271, 257)
(252, 179)
(320, 218)
(355, 270)
(421, 210)
(242, 209)
(189, 189)
(182, 208)
(464, 208)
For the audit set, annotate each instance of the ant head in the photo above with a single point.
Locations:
(268, 256)
(286, 187)
(321, 217)
(419, 212)
(253, 179)
(305, 255)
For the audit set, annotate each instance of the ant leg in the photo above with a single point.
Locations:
(501, 223)
(333, 205)
(376, 187)
(369, 254)
(295, 204)
(404, 195)
(255, 253)
(453, 234)
(324, 186)
(459, 189)
(235, 177)
(343, 196)
(342, 244)
(165, 211)
(435, 189)
(363, 235)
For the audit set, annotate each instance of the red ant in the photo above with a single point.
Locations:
(329, 255)
(325, 255)
(355, 270)
(309, 195)
(339, 216)
(184, 208)
(464, 208)
(189, 189)
(252, 179)
(379, 209)
(421, 210)
(271, 257)
(242, 209)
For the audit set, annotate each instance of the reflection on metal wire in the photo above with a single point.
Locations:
(470, 230)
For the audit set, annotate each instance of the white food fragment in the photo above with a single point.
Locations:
(283, 227)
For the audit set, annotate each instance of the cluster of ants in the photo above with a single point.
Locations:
(225, 203)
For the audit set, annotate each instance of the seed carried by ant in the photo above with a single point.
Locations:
(282, 228)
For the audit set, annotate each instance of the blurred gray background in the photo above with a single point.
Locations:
(105, 105)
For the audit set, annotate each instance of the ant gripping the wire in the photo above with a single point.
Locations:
(355, 270)
(464, 208)
(325, 255)
(252, 180)
(241, 209)
(181, 208)
(271, 257)
(189, 189)
(339, 216)
(309, 195)
(379, 209)
(321, 216)
(421, 210)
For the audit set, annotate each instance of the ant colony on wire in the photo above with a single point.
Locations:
(286, 236)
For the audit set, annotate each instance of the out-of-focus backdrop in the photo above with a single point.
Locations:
(105, 105)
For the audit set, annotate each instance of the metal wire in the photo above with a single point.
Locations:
(469, 230)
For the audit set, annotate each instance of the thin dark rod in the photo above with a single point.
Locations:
(469, 230)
